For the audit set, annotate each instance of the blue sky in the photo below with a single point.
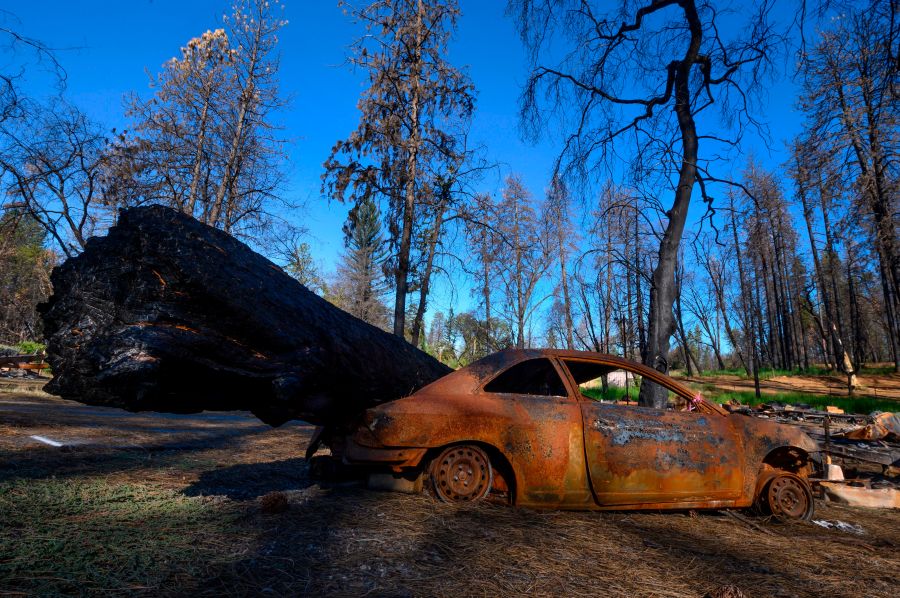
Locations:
(106, 48)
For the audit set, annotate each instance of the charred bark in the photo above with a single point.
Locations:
(168, 314)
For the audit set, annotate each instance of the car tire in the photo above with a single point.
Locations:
(462, 473)
(788, 497)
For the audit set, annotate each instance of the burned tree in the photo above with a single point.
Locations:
(168, 314)
(207, 142)
(641, 74)
(557, 211)
(413, 118)
(524, 255)
(849, 97)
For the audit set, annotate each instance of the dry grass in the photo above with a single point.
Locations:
(190, 517)
(353, 542)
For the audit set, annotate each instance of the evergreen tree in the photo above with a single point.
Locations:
(360, 286)
(302, 267)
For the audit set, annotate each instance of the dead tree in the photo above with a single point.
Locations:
(52, 167)
(850, 100)
(168, 314)
(207, 142)
(642, 72)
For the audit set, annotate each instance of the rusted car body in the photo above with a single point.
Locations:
(518, 424)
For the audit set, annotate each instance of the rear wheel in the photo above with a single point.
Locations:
(788, 496)
(462, 473)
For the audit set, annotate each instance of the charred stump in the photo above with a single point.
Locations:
(168, 314)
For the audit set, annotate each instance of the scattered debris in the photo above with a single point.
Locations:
(834, 473)
(22, 366)
(47, 441)
(842, 526)
(868, 447)
(861, 496)
(884, 426)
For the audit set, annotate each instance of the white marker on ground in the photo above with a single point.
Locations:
(47, 441)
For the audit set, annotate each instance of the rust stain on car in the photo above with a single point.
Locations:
(523, 420)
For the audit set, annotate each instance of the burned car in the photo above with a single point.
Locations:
(547, 429)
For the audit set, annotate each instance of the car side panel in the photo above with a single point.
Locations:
(642, 455)
(760, 438)
(541, 437)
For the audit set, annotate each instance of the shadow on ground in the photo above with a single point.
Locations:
(349, 541)
(39, 461)
(250, 480)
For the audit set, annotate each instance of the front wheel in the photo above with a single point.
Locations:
(462, 473)
(788, 496)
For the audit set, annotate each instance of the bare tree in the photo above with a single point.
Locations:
(850, 97)
(177, 161)
(23, 55)
(558, 209)
(642, 73)
(701, 300)
(482, 240)
(811, 175)
(771, 247)
(715, 261)
(52, 167)
(610, 276)
(524, 255)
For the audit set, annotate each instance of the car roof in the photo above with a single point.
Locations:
(507, 357)
(470, 378)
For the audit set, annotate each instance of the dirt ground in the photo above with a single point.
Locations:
(876, 386)
(172, 505)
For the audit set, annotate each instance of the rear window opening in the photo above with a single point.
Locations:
(531, 377)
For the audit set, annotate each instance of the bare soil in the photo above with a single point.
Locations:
(172, 505)
(878, 386)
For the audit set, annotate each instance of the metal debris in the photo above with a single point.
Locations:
(840, 526)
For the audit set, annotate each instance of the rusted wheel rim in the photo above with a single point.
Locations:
(789, 497)
(462, 474)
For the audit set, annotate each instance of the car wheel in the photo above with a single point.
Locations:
(788, 496)
(462, 473)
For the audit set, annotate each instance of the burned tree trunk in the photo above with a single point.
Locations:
(168, 314)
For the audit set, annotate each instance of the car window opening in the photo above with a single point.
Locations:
(531, 377)
(611, 384)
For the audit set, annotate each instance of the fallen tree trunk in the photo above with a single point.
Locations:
(168, 314)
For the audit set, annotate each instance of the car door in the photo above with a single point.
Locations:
(545, 441)
(638, 455)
